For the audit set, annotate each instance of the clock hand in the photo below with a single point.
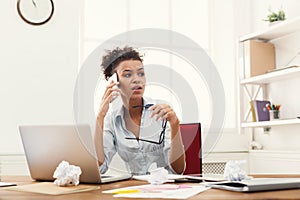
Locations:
(33, 2)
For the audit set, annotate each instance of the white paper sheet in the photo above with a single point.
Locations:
(165, 191)
(173, 177)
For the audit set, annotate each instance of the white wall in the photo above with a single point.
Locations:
(223, 33)
(38, 68)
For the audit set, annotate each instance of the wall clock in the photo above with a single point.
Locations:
(35, 12)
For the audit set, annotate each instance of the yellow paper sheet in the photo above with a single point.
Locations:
(52, 189)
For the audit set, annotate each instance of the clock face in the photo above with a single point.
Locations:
(35, 12)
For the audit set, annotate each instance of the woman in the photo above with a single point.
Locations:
(137, 130)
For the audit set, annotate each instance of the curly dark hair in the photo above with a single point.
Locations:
(113, 58)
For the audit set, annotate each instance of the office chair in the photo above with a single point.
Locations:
(191, 138)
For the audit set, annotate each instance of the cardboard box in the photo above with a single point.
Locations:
(259, 57)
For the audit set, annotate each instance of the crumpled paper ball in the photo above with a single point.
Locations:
(66, 174)
(234, 172)
(157, 175)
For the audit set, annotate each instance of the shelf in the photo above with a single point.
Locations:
(275, 31)
(270, 123)
(276, 152)
(273, 76)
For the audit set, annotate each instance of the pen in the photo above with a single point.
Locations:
(278, 107)
(268, 107)
(126, 191)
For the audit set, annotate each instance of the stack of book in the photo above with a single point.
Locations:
(259, 110)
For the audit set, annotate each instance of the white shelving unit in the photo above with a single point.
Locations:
(273, 32)
(273, 76)
(270, 123)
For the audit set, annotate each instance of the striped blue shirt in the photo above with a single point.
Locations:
(137, 155)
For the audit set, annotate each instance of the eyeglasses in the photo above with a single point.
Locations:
(162, 133)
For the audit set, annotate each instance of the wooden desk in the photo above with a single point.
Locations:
(97, 194)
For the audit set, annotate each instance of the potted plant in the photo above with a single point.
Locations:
(275, 17)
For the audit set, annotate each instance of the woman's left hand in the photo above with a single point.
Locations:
(165, 112)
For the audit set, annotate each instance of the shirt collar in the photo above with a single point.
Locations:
(120, 109)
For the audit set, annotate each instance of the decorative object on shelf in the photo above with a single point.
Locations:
(35, 12)
(256, 145)
(275, 17)
(259, 57)
(274, 111)
(274, 114)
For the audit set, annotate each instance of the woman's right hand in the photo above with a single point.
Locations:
(110, 92)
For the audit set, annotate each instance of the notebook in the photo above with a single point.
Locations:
(261, 111)
(45, 146)
(258, 184)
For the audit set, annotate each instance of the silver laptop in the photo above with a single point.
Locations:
(258, 184)
(46, 146)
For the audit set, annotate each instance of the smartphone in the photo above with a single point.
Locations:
(114, 77)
